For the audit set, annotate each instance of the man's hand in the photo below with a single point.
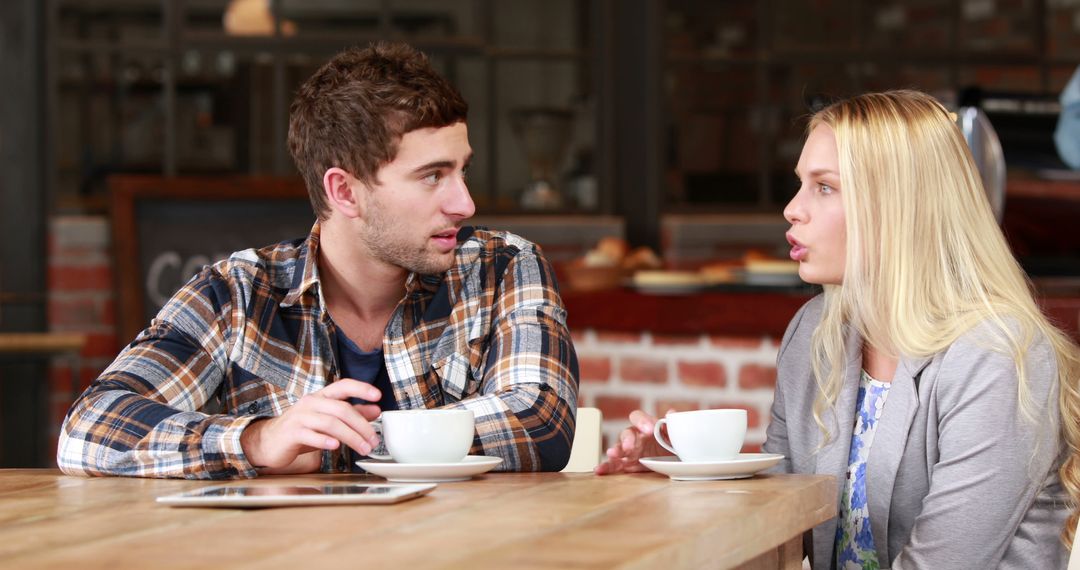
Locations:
(292, 442)
(634, 442)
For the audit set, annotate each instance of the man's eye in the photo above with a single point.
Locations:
(432, 178)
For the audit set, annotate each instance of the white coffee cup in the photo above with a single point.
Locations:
(703, 435)
(426, 436)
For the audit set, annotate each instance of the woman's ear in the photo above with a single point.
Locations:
(341, 192)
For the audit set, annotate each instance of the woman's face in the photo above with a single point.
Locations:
(818, 236)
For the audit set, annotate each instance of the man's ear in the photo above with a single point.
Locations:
(341, 190)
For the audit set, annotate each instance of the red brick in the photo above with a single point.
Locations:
(100, 345)
(643, 370)
(751, 448)
(578, 337)
(595, 368)
(88, 374)
(90, 278)
(618, 337)
(75, 312)
(753, 416)
(753, 376)
(617, 407)
(58, 255)
(58, 410)
(108, 312)
(60, 378)
(675, 340)
(736, 342)
(711, 374)
(663, 406)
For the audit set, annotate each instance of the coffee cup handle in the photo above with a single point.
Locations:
(377, 424)
(659, 436)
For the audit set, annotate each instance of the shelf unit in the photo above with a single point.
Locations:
(160, 86)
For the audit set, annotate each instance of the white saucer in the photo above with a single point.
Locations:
(742, 466)
(431, 472)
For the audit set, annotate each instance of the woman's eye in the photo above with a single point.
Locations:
(825, 189)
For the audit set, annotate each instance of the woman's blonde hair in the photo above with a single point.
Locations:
(926, 260)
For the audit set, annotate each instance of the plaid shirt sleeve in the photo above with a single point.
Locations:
(141, 416)
(527, 401)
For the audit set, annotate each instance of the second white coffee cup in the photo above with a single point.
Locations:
(426, 436)
(703, 435)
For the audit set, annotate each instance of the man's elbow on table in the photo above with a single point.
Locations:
(550, 430)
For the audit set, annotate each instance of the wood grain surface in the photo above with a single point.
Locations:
(546, 520)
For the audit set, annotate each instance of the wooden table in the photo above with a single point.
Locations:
(549, 520)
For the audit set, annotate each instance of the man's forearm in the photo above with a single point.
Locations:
(114, 432)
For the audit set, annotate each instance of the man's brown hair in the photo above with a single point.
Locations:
(354, 110)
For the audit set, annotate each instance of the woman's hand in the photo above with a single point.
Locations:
(634, 442)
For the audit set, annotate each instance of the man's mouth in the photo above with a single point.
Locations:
(446, 239)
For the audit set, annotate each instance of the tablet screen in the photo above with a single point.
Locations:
(278, 490)
(272, 495)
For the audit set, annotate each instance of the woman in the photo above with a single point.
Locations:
(924, 378)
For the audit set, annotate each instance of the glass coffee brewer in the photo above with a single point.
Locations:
(544, 134)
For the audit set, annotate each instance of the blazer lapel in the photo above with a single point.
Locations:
(887, 449)
(832, 459)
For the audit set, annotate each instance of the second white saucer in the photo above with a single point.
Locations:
(431, 472)
(742, 466)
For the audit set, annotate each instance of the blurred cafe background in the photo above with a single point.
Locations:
(647, 145)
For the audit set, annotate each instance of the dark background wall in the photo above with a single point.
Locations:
(22, 233)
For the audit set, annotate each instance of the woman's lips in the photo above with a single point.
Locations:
(798, 250)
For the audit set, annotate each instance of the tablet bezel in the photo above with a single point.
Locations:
(198, 497)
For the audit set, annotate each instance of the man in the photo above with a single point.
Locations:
(276, 360)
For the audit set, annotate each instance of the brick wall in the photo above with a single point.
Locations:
(81, 299)
(622, 372)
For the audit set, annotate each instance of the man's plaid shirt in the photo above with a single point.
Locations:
(249, 335)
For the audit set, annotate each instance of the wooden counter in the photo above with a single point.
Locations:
(731, 313)
(728, 313)
(500, 520)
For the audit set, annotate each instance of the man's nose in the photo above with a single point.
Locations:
(460, 204)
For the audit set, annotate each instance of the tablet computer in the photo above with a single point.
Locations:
(289, 495)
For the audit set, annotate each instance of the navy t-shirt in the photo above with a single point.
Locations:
(366, 367)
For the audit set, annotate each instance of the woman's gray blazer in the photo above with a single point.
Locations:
(956, 477)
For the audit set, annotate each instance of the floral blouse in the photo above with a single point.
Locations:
(854, 540)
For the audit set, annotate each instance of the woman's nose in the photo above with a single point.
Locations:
(794, 211)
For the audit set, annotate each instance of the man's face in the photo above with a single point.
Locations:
(412, 216)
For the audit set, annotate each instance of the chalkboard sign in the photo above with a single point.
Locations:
(166, 229)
